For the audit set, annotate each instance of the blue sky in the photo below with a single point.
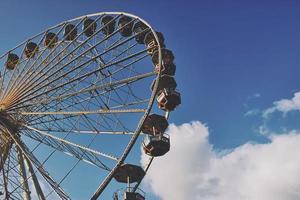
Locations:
(232, 56)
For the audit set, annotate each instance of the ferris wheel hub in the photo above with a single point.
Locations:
(2, 107)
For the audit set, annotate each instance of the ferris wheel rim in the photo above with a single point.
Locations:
(137, 132)
(151, 100)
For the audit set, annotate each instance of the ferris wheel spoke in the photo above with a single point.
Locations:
(109, 85)
(25, 70)
(53, 51)
(84, 132)
(29, 155)
(31, 38)
(98, 43)
(4, 153)
(36, 184)
(85, 112)
(143, 101)
(92, 51)
(118, 121)
(3, 183)
(68, 125)
(16, 176)
(90, 124)
(123, 52)
(99, 124)
(63, 145)
(21, 100)
(20, 181)
(23, 175)
(137, 60)
(82, 76)
(92, 88)
(85, 100)
(110, 75)
(71, 151)
(9, 80)
(98, 30)
(94, 58)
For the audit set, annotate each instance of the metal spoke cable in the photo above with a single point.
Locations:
(48, 70)
(100, 87)
(65, 142)
(40, 167)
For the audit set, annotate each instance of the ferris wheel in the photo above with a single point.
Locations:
(90, 88)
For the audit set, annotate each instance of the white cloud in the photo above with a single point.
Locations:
(254, 96)
(264, 130)
(257, 95)
(252, 112)
(194, 170)
(284, 105)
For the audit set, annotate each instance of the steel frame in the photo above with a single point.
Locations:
(28, 101)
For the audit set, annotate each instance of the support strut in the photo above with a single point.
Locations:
(23, 176)
(35, 181)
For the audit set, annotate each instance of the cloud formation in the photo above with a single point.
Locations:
(194, 170)
(252, 112)
(284, 105)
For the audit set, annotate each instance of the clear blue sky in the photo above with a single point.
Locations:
(232, 56)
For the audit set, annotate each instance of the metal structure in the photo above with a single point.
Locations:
(71, 87)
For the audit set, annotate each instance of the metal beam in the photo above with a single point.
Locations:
(93, 88)
(71, 144)
(28, 154)
(4, 179)
(35, 181)
(23, 176)
(106, 111)
(4, 154)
